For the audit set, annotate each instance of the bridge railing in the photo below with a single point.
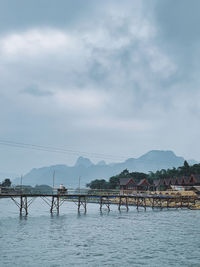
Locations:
(86, 191)
(70, 191)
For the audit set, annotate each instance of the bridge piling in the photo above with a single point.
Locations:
(120, 202)
(52, 204)
(55, 204)
(127, 208)
(23, 205)
(101, 204)
(144, 200)
(82, 203)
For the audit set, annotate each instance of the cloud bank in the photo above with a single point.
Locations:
(113, 77)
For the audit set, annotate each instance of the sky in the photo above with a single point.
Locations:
(116, 78)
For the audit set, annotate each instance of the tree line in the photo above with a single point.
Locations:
(5, 183)
(27, 188)
(113, 182)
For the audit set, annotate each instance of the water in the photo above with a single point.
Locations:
(151, 238)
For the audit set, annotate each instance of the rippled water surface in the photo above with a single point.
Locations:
(151, 238)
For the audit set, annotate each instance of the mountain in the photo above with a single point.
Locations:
(81, 161)
(69, 176)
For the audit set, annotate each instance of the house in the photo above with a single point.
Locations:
(194, 180)
(181, 183)
(185, 180)
(143, 185)
(177, 183)
(127, 184)
(167, 183)
(157, 183)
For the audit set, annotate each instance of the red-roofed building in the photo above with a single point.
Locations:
(143, 185)
(127, 184)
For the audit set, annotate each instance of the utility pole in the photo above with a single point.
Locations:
(79, 183)
(21, 182)
(54, 179)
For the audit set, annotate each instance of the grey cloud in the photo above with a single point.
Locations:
(136, 76)
(178, 29)
(22, 14)
(179, 21)
(37, 92)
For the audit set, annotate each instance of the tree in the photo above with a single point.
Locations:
(113, 182)
(185, 169)
(98, 184)
(124, 173)
(6, 183)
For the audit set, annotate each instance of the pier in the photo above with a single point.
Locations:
(104, 200)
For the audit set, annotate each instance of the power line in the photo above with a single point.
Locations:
(58, 150)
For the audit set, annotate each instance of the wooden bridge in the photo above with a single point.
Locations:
(55, 201)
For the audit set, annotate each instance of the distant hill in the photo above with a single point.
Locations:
(69, 176)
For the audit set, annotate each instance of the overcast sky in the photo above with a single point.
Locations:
(110, 77)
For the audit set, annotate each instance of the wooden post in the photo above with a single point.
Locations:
(127, 203)
(26, 205)
(52, 204)
(85, 205)
(21, 205)
(108, 204)
(161, 203)
(181, 202)
(108, 207)
(100, 203)
(137, 203)
(144, 200)
(188, 202)
(120, 200)
(194, 201)
(153, 203)
(58, 204)
(167, 203)
(79, 203)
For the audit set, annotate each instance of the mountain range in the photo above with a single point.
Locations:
(69, 175)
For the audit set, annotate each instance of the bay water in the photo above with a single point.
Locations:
(133, 238)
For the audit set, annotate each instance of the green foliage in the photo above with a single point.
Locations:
(113, 182)
(184, 170)
(98, 184)
(6, 183)
(42, 189)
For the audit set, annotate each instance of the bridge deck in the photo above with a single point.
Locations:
(3, 195)
(24, 200)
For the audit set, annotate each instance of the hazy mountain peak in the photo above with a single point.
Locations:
(81, 161)
(159, 155)
(101, 163)
(151, 161)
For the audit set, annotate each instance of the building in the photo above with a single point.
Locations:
(127, 184)
(177, 183)
(183, 183)
(143, 185)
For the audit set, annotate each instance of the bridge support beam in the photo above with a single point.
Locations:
(83, 203)
(23, 205)
(120, 203)
(104, 202)
(55, 204)
(127, 208)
